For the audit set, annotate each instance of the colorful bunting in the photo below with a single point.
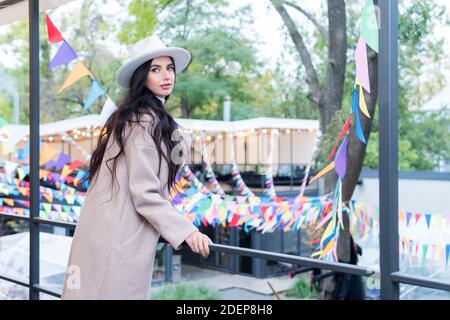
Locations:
(369, 25)
(95, 92)
(78, 72)
(341, 159)
(359, 131)
(64, 55)
(54, 36)
(362, 66)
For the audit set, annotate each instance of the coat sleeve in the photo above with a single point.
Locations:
(144, 184)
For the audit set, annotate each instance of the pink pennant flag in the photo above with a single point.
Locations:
(418, 216)
(362, 66)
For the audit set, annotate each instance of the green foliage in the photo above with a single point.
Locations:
(301, 289)
(185, 291)
(423, 137)
(86, 30)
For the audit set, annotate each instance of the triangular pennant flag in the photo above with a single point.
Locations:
(408, 217)
(50, 164)
(21, 173)
(108, 108)
(78, 72)
(76, 164)
(438, 220)
(424, 251)
(418, 215)
(64, 55)
(428, 219)
(369, 25)
(62, 160)
(65, 171)
(362, 66)
(47, 207)
(96, 91)
(447, 252)
(355, 109)
(341, 159)
(324, 171)
(343, 131)
(47, 152)
(362, 103)
(9, 202)
(54, 35)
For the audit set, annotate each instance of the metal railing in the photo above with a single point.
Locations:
(397, 277)
(389, 256)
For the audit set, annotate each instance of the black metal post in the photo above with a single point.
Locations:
(388, 148)
(34, 146)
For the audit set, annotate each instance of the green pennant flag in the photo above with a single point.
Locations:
(369, 25)
(424, 252)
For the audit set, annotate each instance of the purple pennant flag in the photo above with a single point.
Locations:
(64, 54)
(408, 217)
(50, 164)
(340, 162)
(62, 160)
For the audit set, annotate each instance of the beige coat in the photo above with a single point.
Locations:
(114, 244)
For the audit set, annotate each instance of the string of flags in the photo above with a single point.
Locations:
(368, 37)
(66, 54)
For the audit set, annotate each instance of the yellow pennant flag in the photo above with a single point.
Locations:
(65, 171)
(21, 173)
(362, 102)
(324, 171)
(43, 174)
(47, 153)
(78, 72)
(327, 249)
(48, 196)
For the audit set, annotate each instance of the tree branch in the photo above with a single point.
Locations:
(312, 80)
(311, 18)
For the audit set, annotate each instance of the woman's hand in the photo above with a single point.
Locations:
(199, 243)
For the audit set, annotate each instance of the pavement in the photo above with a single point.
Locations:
(234, 286)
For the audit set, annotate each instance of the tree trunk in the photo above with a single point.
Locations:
(328, 99)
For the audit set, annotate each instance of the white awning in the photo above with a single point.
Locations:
(15, 10)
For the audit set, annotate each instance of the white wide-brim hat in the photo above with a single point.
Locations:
(147, 49)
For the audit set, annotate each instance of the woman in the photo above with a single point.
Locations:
(131, 173)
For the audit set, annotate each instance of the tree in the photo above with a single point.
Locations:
(326, 92)
(86, 31)
(223, 61)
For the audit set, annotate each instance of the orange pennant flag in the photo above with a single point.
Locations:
(78, 72)
(324, 171)
(9, 202)
(47, 153)
(43, 174)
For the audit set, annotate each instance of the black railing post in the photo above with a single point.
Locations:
(388, 148)
(34, 146)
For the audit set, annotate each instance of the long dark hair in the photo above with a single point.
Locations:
(137, 101)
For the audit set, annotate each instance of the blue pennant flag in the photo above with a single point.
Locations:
(96, 91)
(355, 108)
